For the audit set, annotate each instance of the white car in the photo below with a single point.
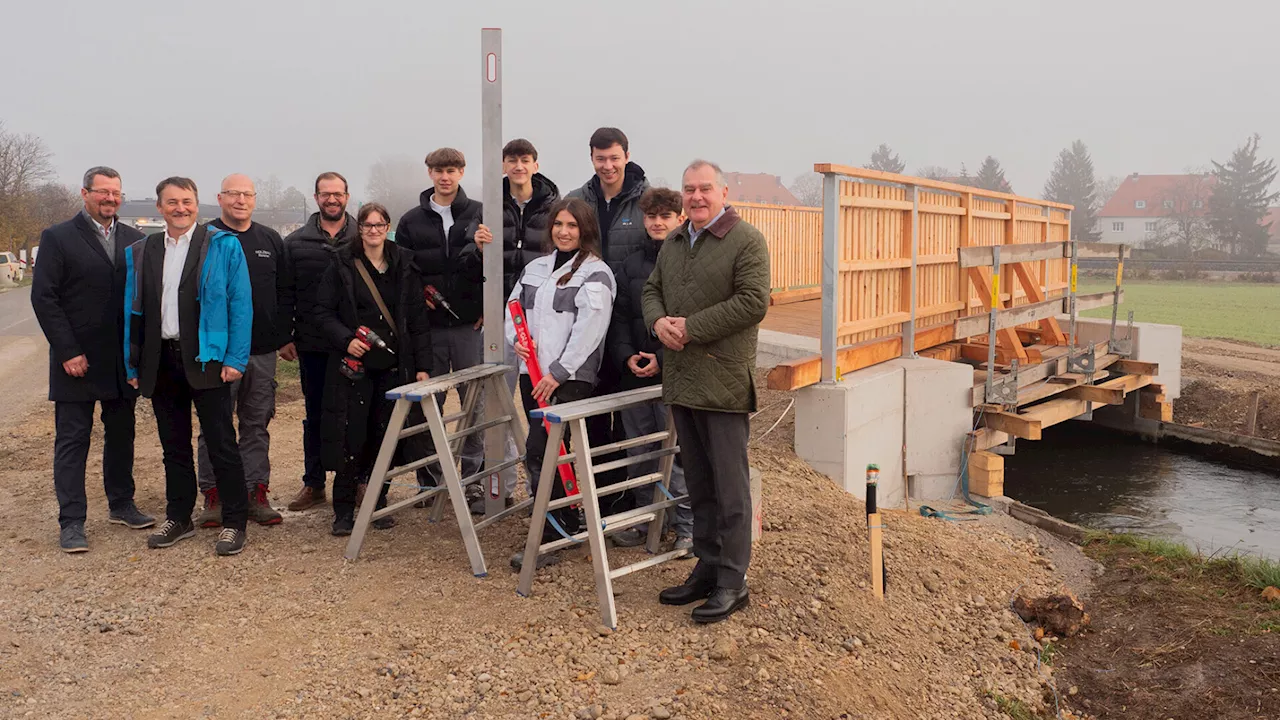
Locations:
(10, 267)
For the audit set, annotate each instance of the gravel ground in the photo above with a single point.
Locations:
(290, 630)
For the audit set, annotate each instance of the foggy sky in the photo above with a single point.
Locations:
(296, 88)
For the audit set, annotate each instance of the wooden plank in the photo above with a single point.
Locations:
(875, 203)
(1136, 367)
(1009, 254)
(1036, 373)
(1048, 325)
(986, 474)
(875, 323)
(1103, 251)
(865, 174)
(1095, 300)
(942, 210)
(1008, 318)
(802, 372)
(895, 263)
(977, 352)
(990, 214)
(1019, 426)
(1096, 393)
(785, 297)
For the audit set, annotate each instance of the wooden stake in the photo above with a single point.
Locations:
(1251, 414)
(874, 528)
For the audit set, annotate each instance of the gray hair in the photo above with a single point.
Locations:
(700, 163)
(97, 170)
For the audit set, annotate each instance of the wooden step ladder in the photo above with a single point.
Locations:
(575, 414)
(471, 383)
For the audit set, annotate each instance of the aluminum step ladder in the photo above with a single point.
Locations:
(471, 383)
(575, 414)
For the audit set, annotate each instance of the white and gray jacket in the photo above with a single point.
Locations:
(568, 322)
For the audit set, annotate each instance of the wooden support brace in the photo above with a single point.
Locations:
(977, 352)
(1008, 337)
(1049, 328)
(1095, 393)
(1018, 426)
(802, 372)
(1136, 367)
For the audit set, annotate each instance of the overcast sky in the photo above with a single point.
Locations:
(295, 88)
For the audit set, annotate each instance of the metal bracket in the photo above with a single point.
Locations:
(1007, 448)
(1083, 362)
(1004, 389)
(1123, 346)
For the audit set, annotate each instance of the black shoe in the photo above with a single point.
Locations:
(478, 506)
(230, 541)
(694, 589)
(722, 603)
(132, 517)
(343, 525)
(170, 533)
(384, 523)
(544, 560)
(72, 540)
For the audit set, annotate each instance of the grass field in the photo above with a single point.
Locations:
(1232, 310)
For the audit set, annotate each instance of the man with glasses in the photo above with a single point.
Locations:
(254, 394)
(78, 298)
(310, 249)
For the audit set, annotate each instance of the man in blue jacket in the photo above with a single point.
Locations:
(188, 327)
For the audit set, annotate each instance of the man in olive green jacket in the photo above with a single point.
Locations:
(704, 301)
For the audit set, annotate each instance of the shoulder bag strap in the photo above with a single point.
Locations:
(377, 296)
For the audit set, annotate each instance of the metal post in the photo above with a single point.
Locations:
(991, 322)
(1071, 282)
(830, 275)
(909, 335)
(1115, 297)
(491, 176)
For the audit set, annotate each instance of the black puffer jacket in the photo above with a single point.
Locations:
(310, 250)
(625, 233)
(452, 264)
(627, 332)
(337, 315)
(524, 233)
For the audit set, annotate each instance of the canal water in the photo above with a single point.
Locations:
(1108, 481)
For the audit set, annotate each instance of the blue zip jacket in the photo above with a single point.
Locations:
(225, 298)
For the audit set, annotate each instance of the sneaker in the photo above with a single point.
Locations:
(384, 523)
(211, 515)
(170, 532)
(72, 540)
(631, 537)
(477, 506)
(230, 541)
(132, 517)
(343, 525)
(307, 498)
(684, 543)
(260, 510)
(544, 560)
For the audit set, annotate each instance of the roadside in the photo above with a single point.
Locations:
(1219, 377)
(24, 355)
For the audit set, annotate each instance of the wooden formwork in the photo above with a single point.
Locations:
(794, 235)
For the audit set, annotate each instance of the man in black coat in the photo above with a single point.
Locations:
(442, 233)
(78, 297)
(310, 249)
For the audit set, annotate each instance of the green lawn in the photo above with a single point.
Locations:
(1233, 310)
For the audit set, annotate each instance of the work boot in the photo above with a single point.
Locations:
(722, 603)
(132, 517)
(260, 510)
(307, 498)
(684, 543)
(693, 589)
(477, 506)
(631, 537)
(170, 532)
(343, 525)
(383, 523)
(230, 541)
(211, 515)
(517, 560)
(72, 540)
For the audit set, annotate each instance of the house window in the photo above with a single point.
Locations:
(1140, 204)
(1117, 227)
(1151, 227)
(1199, 204)
(1168, 204)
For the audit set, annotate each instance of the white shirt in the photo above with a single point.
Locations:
(175, 257)
(694, 234)
(446, 215)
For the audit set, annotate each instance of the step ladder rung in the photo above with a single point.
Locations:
(649, 562)
(635, 460)
(607, 490)
(479, 427)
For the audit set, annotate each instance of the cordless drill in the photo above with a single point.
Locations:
(352, 368)
(372, 339)
(431, 293)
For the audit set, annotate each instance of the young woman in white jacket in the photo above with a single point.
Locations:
(567, 297)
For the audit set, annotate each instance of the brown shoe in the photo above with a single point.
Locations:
(260, 510)
(308, 497)
(211, 515)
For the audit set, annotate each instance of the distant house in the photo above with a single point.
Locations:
(758, 188)
(1134, 215)
(143, 215)
(1273, 217)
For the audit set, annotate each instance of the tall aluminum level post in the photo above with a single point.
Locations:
(491, 176)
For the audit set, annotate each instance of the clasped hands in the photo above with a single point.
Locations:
(671, 332)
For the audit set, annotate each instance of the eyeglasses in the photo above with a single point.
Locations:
(240, 194)
(374, 226)
(331, 195)
(114, 194)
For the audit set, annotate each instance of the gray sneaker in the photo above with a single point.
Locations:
(684, 543)
(131, 516)
(72, 539)
(230, 541)
(631, 537)
(169, 533)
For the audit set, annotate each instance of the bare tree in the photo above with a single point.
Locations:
(292, 199)
(1184, 222)
(270, 193)
(1104, 189)
(933, 172)
(395, 182)
(25, 162)
(807, 187)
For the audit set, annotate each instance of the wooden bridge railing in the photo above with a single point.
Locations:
(795, 248)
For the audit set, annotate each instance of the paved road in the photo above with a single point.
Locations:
(24, 356)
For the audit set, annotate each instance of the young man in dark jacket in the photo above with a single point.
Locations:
(442, 233)
(254, 394)
(310, 249)
(638, 356)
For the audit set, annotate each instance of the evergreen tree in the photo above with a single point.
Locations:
(1240, 200)
(1072, 182)
(885, 159)
(991, 176)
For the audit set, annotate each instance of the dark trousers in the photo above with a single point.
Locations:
(74, 421)
(370, 392)
(172, 403)
(536, 447)
(606, 429)
(312, 367)
(713, 446)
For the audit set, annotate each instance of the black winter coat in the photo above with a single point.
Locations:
(453, 263)
(524, 233)
(336, 315)
(78, 299)
(310, 251)
(626, 233)
(627, 332)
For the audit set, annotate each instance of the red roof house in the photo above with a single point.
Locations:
(758, 188)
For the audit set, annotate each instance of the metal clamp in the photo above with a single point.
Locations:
(1084, 362)
(1122, 346)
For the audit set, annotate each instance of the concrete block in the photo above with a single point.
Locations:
(774, 348)
(1152, 342)
(842, 427)
(939, 410)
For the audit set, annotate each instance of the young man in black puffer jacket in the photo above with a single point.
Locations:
(442, 233)
(638, 356)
